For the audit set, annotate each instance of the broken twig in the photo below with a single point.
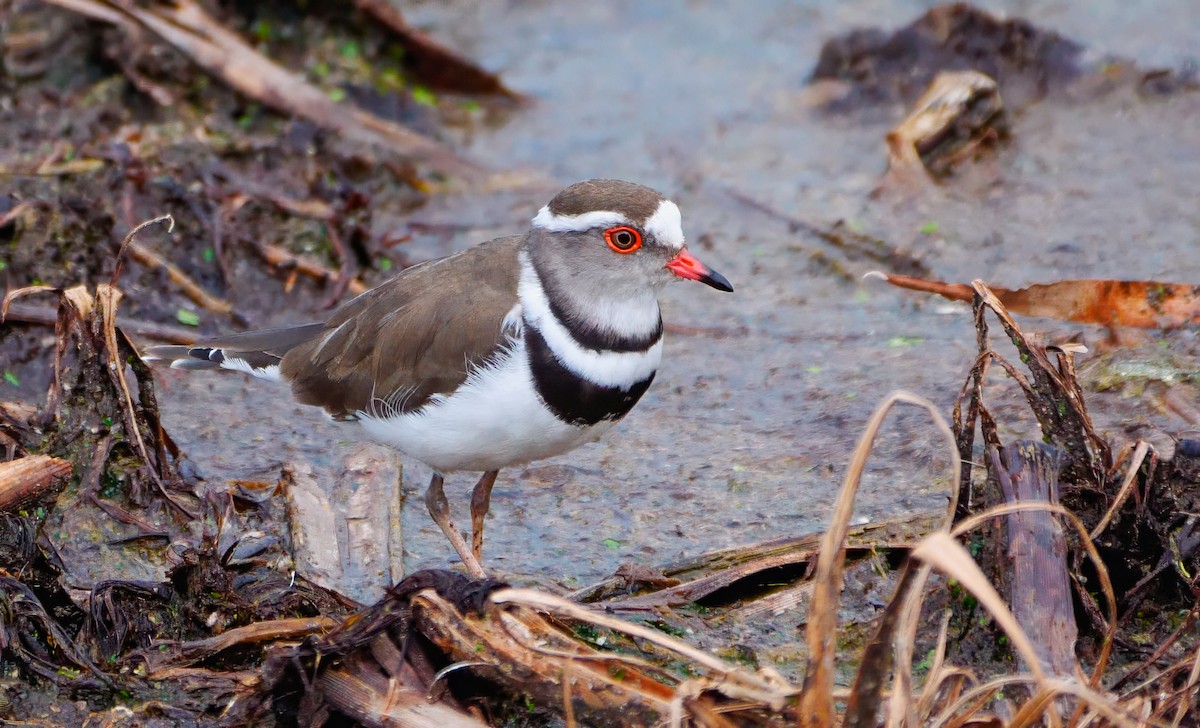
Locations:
(278, 257)
(25, 479)
(222, 53)
(190, 288)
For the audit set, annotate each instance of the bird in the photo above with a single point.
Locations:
(514, 350)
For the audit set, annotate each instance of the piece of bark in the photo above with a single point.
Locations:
(699, 576)
(1027, 472)
(313, 527)
(26, 479)
(373, 545)
(960, 114)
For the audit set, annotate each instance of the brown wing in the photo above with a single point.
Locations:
(415, 336)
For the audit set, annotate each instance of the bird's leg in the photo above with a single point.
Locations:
(435, 501)
(481, 501)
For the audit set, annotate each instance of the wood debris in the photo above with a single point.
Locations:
(185, 25)
(27, 479)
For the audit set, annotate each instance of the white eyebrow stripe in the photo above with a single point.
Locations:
(666, 225)
(555, 223)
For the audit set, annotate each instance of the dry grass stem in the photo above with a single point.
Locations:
(738, 683)
(1135, 464)
(948, 556)
(277, 257)
(256, 632)
(816, 700)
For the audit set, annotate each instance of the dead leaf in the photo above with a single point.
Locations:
(1144, 304)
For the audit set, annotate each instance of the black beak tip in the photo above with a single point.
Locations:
(717, 281)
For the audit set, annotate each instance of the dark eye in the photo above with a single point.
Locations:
(623, 239)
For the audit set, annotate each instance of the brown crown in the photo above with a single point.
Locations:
(633, 201)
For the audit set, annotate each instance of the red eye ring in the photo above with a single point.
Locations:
(623, 239)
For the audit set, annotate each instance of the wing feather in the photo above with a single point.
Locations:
(411, 338)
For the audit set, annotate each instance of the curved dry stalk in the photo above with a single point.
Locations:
(1031, 712)
(128, 241)
(972, 701)
(948, 555)
(108, 297)
(1135, 464)
(736, 682)
(905, 637)
(568, 706)
(522, 636)
(963, 677)
(1047, 689)
(898, 624)
(938, 672)
(1188, 690)
(1032, 709)
(21, 293)
(816, 700)
(941, 550)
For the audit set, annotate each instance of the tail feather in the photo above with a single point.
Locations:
(167, 353)
(193, 365)
(255, 352)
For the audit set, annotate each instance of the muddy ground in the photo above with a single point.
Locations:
(762, 394)
(748, 422)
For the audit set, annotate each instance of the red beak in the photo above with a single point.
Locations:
(685, 265)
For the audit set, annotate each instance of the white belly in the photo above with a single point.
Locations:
(495, 420)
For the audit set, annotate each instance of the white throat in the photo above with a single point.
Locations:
(636, 316)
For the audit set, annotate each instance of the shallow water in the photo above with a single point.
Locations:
(747, 429)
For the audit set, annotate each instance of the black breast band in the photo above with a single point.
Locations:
(573, 398)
